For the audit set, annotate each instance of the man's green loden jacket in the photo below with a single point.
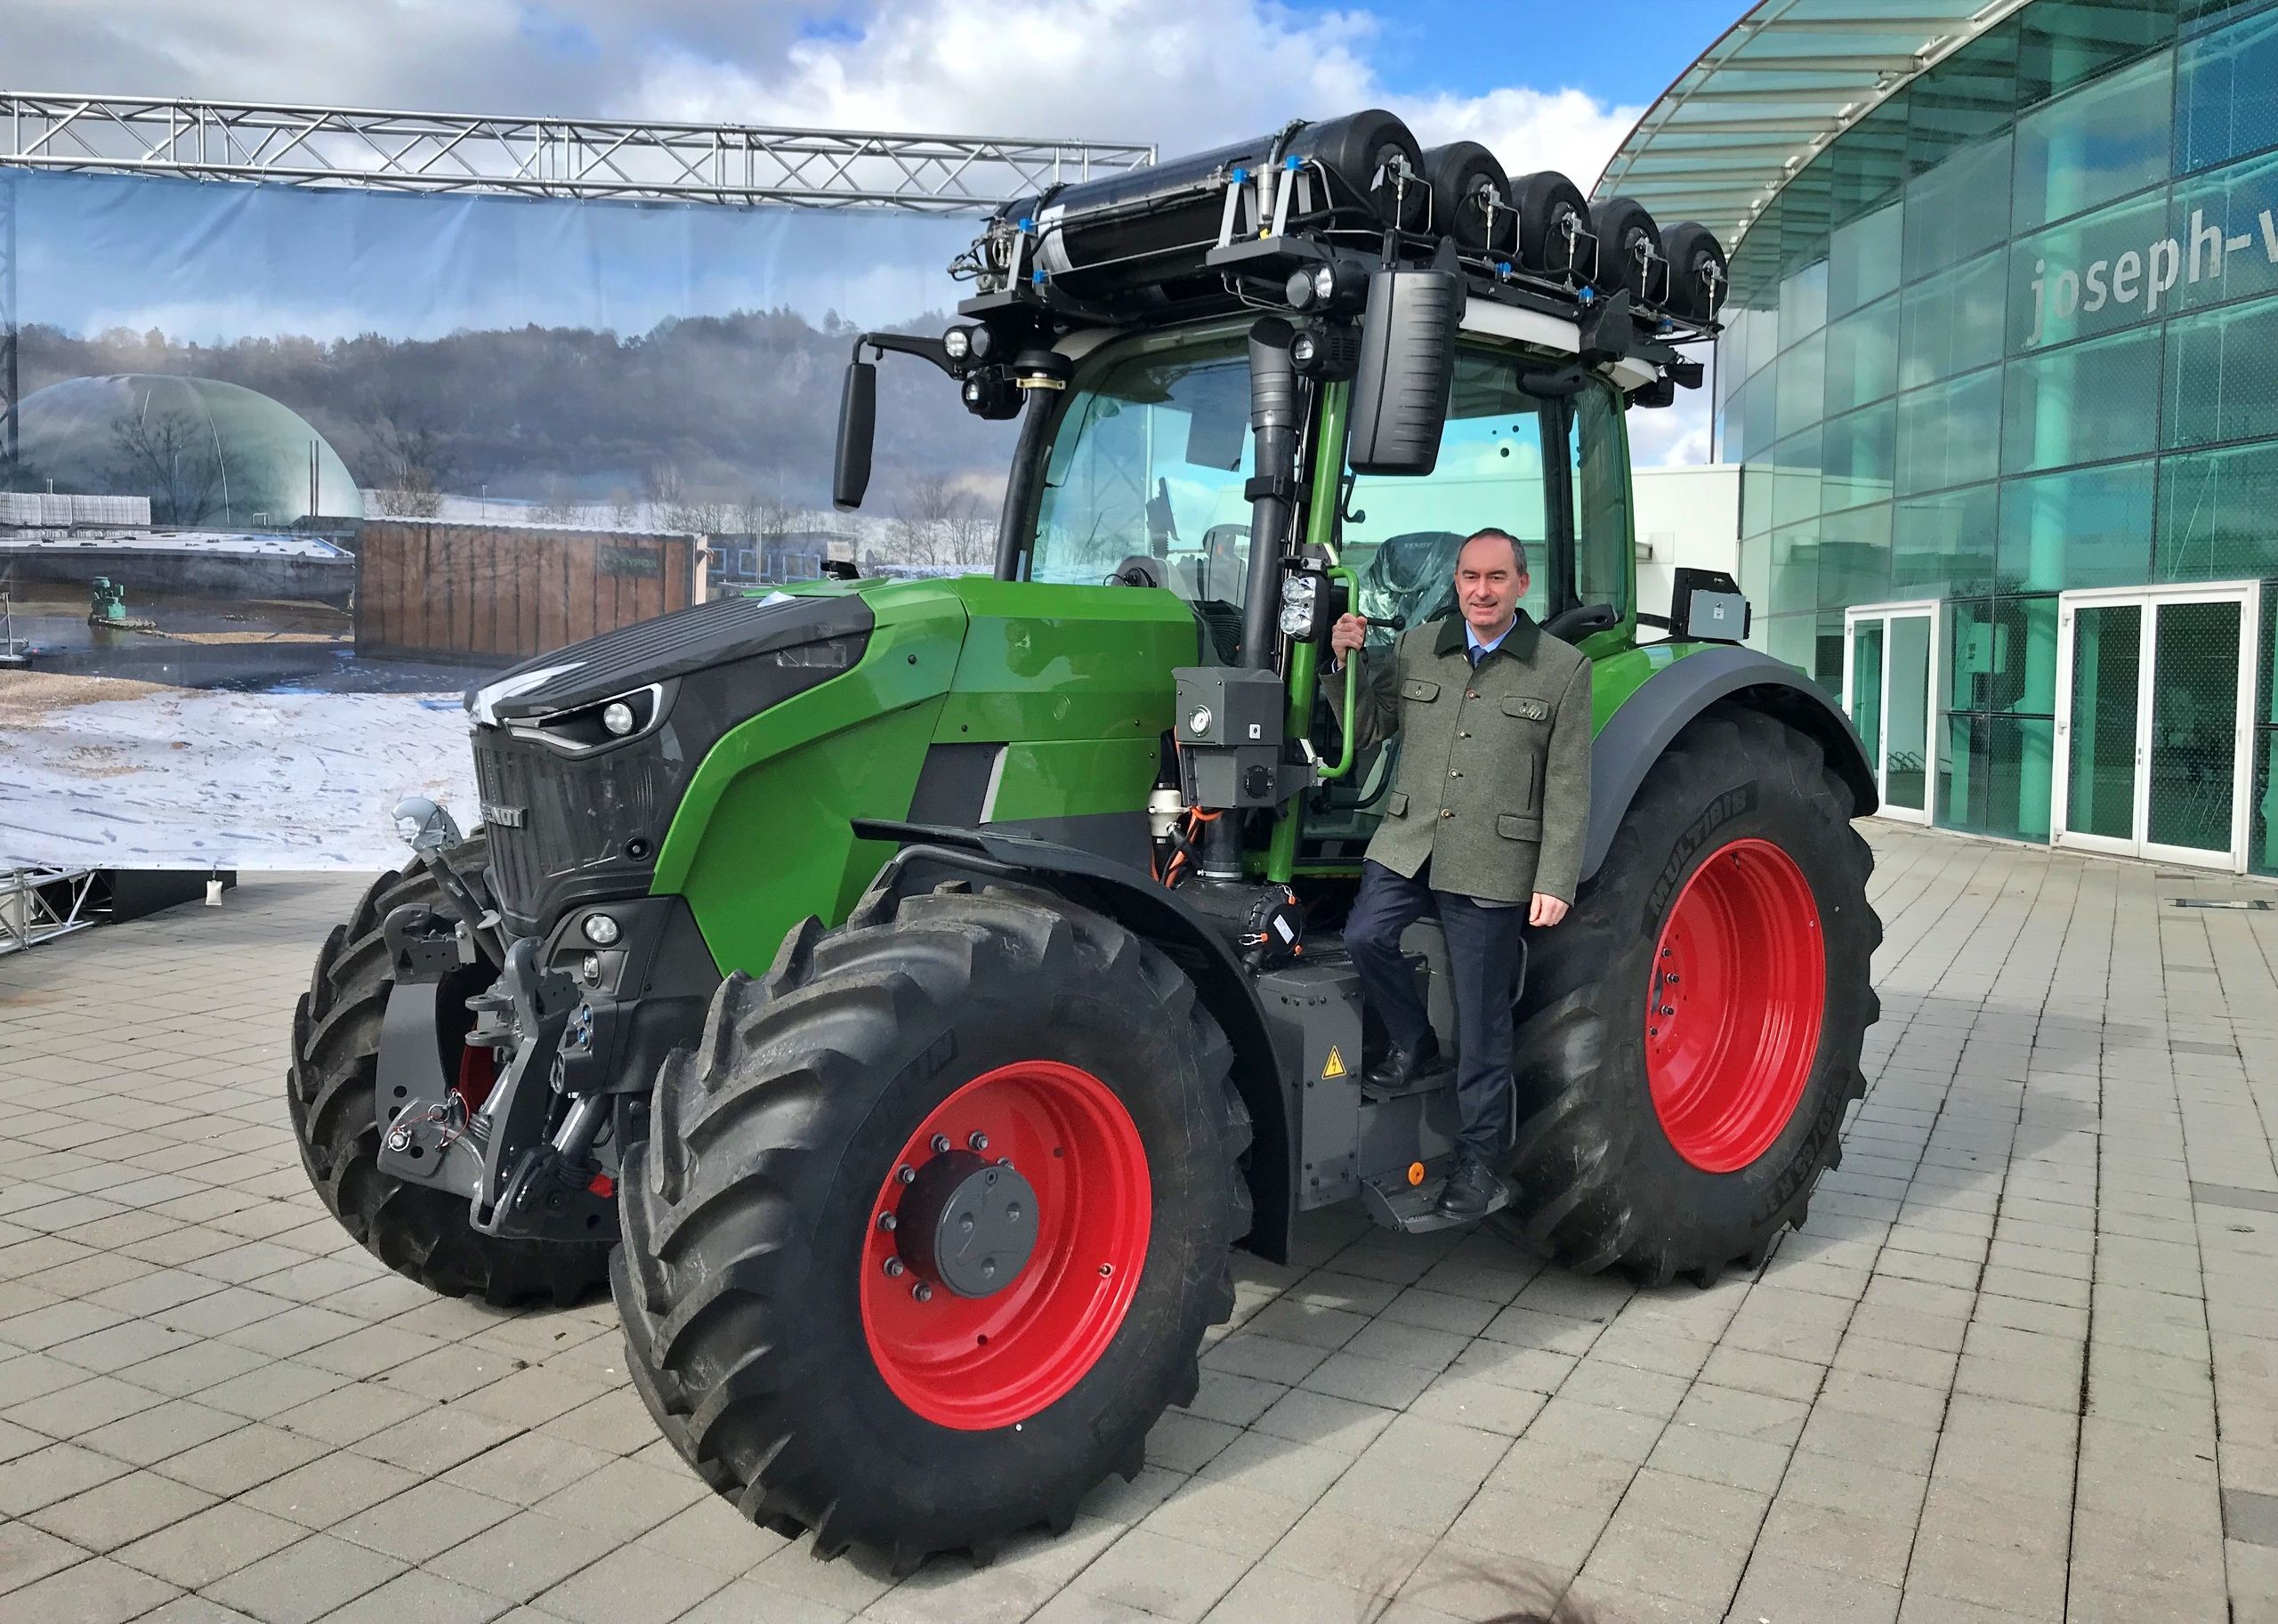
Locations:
(1493, 781)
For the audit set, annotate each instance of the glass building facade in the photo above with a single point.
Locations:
(2001, 370)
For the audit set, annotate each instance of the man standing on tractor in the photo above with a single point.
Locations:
(1486, 818)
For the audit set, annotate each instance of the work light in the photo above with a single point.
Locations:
(1300, 598)
(956, 343)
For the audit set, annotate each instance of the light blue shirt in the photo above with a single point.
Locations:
(1472, 639)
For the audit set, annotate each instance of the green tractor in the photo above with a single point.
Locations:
(908, 994)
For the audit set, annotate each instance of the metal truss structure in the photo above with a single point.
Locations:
(580, 159)
(38, 905)
(585, 158)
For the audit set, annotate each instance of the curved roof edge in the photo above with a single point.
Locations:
(1774, 91)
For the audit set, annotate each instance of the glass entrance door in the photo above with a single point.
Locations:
(2153, 719)
(1889, 655)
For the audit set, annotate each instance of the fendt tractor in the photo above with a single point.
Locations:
(909, 993)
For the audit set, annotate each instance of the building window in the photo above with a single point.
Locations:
(1949, 434)
(2222, 378)
(2227, 92)
(2089, 528)
(2085, 403)
(1953, 322)
(1863, 357)
(2215, 512)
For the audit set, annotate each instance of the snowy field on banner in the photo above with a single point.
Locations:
(103, 772)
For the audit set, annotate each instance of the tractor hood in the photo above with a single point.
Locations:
(697, 638)
(583, 756)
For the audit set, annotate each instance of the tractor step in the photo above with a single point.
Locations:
(1414, 1209)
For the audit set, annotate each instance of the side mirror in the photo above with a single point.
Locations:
(1408, 366)
(858, 430)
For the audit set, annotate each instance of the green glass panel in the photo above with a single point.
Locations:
(1756, 570)
(1859, 457)
(2227, 92)
(1793, 638)
(2001, 655)
(1906, 751)
(1862, 259)
(2096, 274)
(2262, 837)
(2102, 142)
(1963, 103)
(1803, 384)
(2082, 404)
(1802, 302)
(1953, 322)
(1950, 433)
(1855, 557)
(2226, 235)
(2090, 528)
(1731, 426)
(2222, 376)
(1827, 643)
(1864, 170)
(2066, 42)
(2107, 658)
(2216, 515)
(2194, 723)
(1794, 479)
(1957, 209)
(1944, 545)
(2265, 688)
(1862, 356)
(1758, 401)
(1755, 498)
(1795, 570)
(1993, 775)
(1867, 685)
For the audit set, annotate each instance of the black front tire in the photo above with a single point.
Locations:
(423, 1235)
(747, 1210)
(1596, 1182)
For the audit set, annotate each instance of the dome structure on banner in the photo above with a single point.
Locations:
(206, 453)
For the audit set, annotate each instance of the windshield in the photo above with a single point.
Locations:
(1151, 452)
(1149, 463)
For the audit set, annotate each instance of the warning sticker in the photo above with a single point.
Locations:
(1335, 1066)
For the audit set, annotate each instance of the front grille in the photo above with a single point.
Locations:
(578, 818)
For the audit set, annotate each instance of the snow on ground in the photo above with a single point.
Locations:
(177, 777)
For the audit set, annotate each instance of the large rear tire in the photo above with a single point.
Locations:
(425, 1235)
(1689, 1036)
(807, 1371)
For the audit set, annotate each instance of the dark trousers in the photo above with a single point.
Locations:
(1484, 944)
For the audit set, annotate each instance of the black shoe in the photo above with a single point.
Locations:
(1470, 1190)
(1401, 1069)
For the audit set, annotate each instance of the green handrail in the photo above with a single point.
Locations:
(1352, 579)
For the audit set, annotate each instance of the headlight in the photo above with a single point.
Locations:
(617, 717)
(1300, 602)
(1197, 722)
(1304, 349)
(958, 342)
(602, 930)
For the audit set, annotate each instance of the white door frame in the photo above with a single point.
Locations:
(1886, 613)
(2148, 600)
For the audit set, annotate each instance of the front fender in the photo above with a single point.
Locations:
(1649, 720)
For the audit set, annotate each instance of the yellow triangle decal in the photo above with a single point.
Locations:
(1335, 1066)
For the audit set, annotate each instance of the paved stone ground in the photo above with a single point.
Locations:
(2023, 1363)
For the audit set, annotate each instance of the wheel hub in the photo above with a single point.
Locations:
(1004, 1245)
(967, 1224)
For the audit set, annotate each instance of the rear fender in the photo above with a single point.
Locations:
(931, 854)
(1648, 721)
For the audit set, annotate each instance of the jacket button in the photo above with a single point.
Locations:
(1452, 773)
(1463, 735)
(1471, 694)
(1445, 812)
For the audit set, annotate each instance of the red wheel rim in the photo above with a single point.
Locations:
(1733, 1011)
(979, 1362)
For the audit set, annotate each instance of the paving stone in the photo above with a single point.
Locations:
(632, 1585)
(303, 1583)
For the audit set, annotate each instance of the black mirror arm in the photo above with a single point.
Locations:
(903, 343)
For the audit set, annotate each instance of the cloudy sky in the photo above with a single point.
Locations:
(1546, 84)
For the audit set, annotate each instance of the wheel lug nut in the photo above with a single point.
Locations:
(886, 1220)
(908, 1175)
(896, 1268)
(922, 1292)
(940, 1143)
(978, 1141)
(1667, 1010)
